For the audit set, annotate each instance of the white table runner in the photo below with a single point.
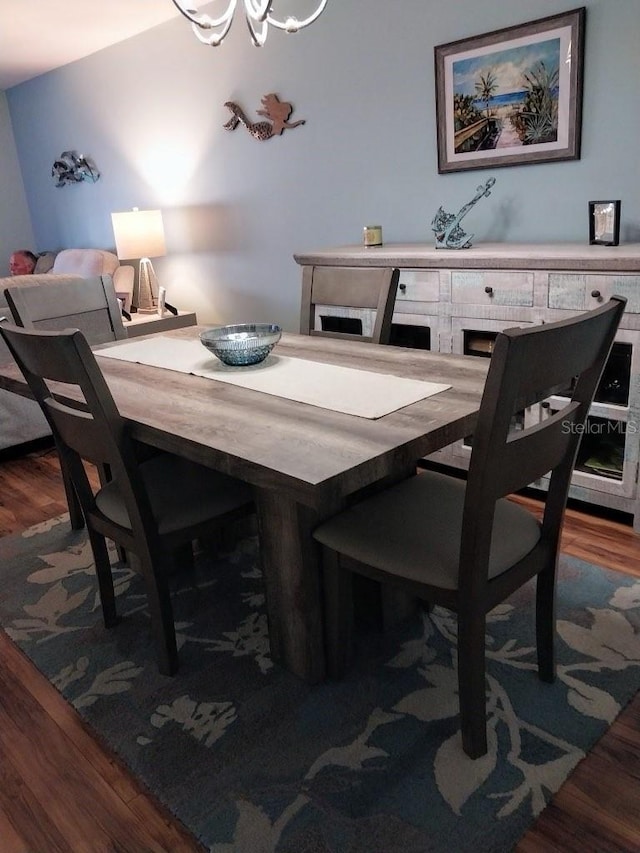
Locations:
(328, 386)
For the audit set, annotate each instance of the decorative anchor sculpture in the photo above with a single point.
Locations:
(275, 110)
(446, 226)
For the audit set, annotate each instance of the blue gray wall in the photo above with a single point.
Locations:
(15, 224)
(150, 112)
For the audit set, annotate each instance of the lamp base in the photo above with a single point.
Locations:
(147, 288)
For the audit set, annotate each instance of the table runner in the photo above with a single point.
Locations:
(329, 386)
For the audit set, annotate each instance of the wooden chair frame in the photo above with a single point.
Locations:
(94, 431)
(349, 287)
(527, 365)
(89, 304)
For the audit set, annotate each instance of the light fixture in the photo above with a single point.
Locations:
(140, 234)
(258, 13)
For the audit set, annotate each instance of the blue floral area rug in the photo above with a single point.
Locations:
(252, 760)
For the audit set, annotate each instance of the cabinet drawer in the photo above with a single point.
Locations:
(419, 286)
(487, 287)
(576, 290)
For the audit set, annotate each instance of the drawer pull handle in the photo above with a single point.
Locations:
(402, 287)
(489, 290)
(596, 295)
(545, 404)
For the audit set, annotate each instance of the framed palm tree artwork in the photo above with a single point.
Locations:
(512, 96)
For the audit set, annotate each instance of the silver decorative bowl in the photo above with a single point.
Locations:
(246, 343)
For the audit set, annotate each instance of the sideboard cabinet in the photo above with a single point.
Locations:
(458, 300)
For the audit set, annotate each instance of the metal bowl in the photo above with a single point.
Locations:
(246, 343)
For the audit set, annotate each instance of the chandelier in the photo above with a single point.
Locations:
(258, 13)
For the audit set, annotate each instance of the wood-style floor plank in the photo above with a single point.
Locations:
(29, 493)
(596, 539)
(597, 810)
(12, 842)
(67, 719)
(60, 790)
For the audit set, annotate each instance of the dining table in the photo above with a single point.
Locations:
(304, 461)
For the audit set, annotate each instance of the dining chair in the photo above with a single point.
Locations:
(88, 304)
(151, 507)
(464, 545)
(349, 287)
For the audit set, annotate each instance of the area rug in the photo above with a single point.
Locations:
(253, 760)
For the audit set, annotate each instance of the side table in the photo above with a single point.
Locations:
(146, 324)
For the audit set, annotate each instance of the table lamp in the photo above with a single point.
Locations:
(140, 234)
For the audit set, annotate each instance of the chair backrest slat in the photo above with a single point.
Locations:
(349, 287)
(82, 432)
(88, 304)
(546, 446)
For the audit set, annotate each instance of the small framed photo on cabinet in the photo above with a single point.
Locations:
(604, 222)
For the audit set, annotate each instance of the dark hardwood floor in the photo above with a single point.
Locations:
(60, 792)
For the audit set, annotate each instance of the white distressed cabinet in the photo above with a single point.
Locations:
(458, 300)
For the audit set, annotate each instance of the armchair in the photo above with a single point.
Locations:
(91, 262)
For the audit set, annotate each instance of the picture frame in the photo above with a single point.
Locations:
(512, 96)
(604, 222)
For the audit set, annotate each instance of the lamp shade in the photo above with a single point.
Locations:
(139, 234)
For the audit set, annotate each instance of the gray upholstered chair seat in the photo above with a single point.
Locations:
(413, 530)
(181, 494)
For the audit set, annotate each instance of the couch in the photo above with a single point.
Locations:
(21, 420)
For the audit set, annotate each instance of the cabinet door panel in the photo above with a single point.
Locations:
(419, 331)
(465, 329)
(359, 321)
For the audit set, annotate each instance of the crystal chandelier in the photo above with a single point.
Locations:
(258, 13)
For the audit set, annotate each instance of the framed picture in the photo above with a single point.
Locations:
(604, 222)
(511, 97)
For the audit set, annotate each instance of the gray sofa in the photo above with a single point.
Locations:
(20, 419)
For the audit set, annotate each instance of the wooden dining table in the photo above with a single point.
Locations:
(304, 462)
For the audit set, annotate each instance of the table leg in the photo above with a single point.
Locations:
(291, 569)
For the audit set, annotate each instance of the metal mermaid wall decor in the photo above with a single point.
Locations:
(446, 226)
(276, 111)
